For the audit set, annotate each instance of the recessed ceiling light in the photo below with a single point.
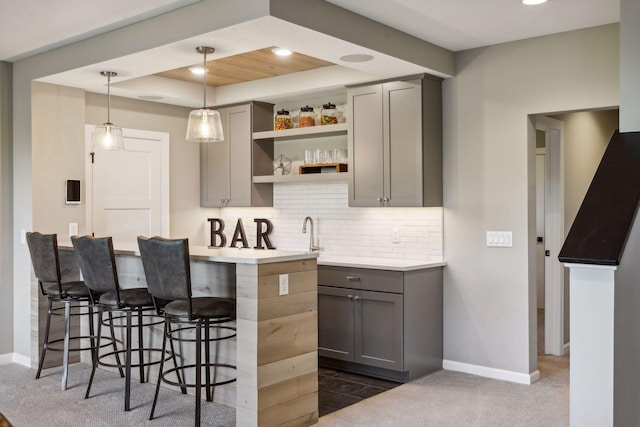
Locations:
(358, 57)
(197, 70)
(281, 51)
(533, 2)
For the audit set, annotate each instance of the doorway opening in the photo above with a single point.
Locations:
(568, 151)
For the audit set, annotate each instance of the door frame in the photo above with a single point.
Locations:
(554, 233)
(164, 139)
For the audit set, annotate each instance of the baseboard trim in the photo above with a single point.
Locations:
(498, 374)
(15, 358)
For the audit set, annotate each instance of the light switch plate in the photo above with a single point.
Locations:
(499, 239)
(73, 229)
(395, 235)
(283, 281)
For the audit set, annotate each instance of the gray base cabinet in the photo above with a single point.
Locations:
(395, 143)
(378, 322)
(226, 169)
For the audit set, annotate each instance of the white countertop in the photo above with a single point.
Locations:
(224, 255)
(378, 263)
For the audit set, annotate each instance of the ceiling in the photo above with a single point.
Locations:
(29, 27)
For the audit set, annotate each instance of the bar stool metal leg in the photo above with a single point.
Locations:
(65, 353)
(161, 368)
(127, 377)
(140, 347)
(198, 371)
(46, 338)
(96, 354)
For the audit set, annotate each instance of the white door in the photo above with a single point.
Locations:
(128, 190)
(540, 212)
(555, 304)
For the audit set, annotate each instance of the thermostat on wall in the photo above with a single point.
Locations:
(72, 192)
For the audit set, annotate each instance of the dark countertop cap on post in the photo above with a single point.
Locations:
(603, 223)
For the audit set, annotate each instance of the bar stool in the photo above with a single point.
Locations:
(167, 269)
(98, 266)
(43, 249)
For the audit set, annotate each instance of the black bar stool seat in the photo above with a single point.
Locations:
(202, 307)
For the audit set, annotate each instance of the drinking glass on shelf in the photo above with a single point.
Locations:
(309, 157)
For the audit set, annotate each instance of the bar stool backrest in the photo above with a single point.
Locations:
(97, 263)
(166, 267)
(44, 257)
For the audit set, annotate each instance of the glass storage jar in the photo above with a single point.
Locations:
(329, 115)
(307, 117)
(283, 120)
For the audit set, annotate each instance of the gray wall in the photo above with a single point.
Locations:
(6, 243)
(58, 154)
(629, 65)
(626, 375)
(489, 152)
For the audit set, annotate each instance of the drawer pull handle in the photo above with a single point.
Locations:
(350, 296)
(353, 278)
(357, 298)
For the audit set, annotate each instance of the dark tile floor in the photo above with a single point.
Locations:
(339, 389)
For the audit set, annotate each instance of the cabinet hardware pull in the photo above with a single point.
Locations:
(353, 278)
(385, 199)
(357, 298)
(350, 296)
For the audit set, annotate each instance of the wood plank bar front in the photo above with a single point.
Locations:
(277, 345)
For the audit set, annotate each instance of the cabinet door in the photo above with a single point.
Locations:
(214, 169)
(365, 146)
(402, 109)
(379, 329)
(238, 137)
(335, 323)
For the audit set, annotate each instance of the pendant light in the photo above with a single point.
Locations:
(107, 136)
(204, 125)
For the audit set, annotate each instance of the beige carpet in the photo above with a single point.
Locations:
(449, 398)
(442, 399)
(27, 402)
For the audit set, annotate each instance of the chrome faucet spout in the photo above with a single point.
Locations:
(312, 246)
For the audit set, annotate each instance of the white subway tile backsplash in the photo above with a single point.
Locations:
(340, 230)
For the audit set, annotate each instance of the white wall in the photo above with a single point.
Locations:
(489, 182)
(342, 231)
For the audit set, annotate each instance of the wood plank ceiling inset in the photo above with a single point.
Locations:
(249, 66)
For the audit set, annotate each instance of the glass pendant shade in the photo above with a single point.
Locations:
(108, 137)
(204, 126)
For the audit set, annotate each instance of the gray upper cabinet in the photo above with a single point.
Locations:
(395, 143)
(226, 167)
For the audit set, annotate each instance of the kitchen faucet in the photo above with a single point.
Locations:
(312, 247)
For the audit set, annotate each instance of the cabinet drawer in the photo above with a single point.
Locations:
(361, 278)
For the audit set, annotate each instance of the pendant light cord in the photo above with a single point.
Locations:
(109, 97)
(204, 79)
